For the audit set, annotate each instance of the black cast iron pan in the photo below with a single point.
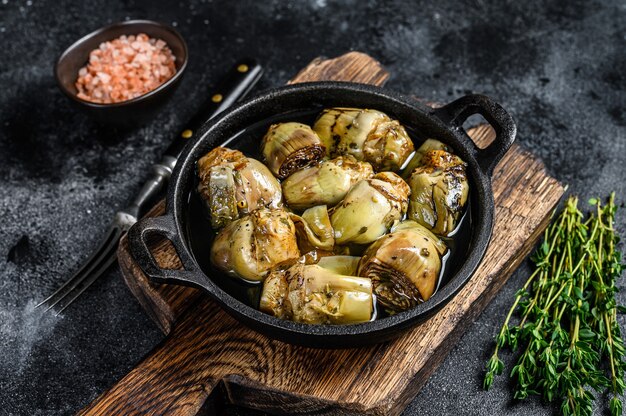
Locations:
(242, 127)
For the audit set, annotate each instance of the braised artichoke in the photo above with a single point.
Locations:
(416, 160)
(250, 246)
(346, 265)
(326, 183)
(368, 135)
(439, 191)
(314, 295)
(370, 208)
(404, 266)
(233, 185)
(314, 229)
(289, 147)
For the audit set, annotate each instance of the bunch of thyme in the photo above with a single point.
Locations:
(568, 333)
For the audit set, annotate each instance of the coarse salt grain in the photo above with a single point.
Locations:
(125, 68)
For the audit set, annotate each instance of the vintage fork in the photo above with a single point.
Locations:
(236, 84)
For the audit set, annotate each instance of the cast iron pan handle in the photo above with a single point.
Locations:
(459, 110)
(164, 226)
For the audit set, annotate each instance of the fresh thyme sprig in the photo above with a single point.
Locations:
(567, 331)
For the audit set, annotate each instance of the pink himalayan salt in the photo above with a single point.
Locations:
(125, 68)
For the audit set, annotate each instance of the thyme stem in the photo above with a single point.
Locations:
(567, 310)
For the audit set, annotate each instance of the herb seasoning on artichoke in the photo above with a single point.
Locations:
(315, 295)
(251, 246)
(439, 190)
(233, 185)
(404, 266)
(326, 183)
(370, 208)
(416, 160)
(368, 135)
(289, 147)
(568, 333)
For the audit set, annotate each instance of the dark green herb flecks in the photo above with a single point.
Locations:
(567, 334)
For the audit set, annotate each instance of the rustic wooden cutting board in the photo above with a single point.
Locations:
(205, 349)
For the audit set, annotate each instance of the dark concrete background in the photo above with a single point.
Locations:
(558, 66)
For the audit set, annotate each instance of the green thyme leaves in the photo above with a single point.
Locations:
(567, 334)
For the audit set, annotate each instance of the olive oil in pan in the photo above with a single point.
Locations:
(201, 234)
(458, 245)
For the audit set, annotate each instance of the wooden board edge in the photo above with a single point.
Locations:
(365, 69)
(149, 302)
(239, 389)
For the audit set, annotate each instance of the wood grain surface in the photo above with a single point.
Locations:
(206, 349)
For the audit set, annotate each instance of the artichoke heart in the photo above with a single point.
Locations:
(314, 229)
(314, 295)
(416, 160)
(326, 183)
(289, 147)
(404, 266)
(233, 185)
(368, 135)
(340, 264)
(370, 208)
(439, 191)
(250, 246)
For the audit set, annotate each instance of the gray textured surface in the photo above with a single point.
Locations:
(558, 66)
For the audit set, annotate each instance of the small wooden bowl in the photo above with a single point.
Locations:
(136, 110)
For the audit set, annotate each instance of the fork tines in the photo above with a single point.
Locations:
(88, 273)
